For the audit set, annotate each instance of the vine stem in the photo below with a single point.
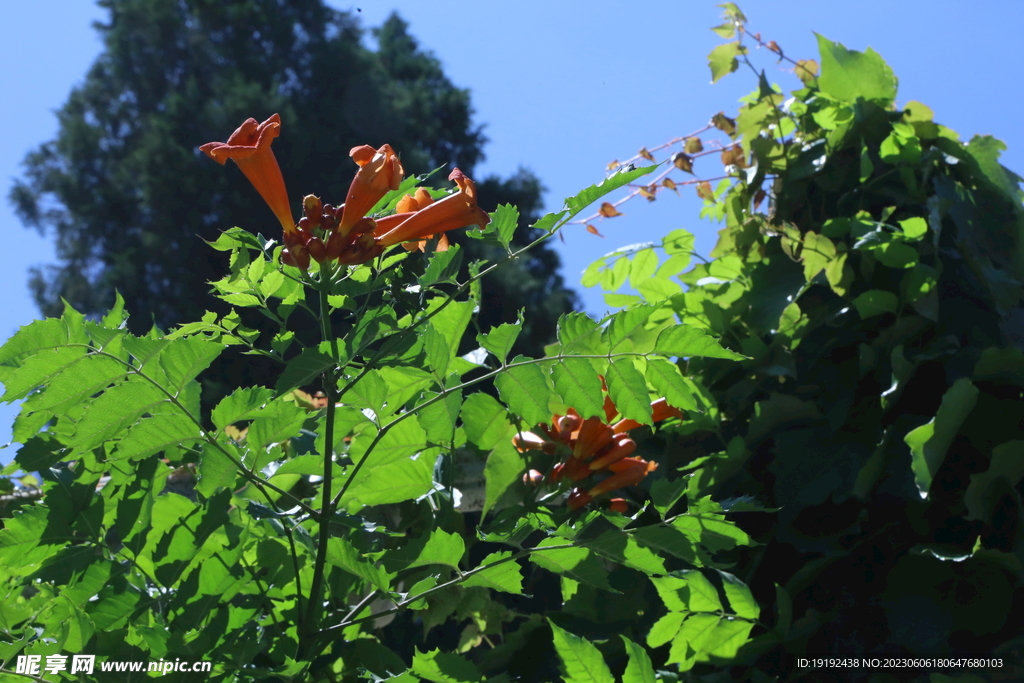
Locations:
(310, 622)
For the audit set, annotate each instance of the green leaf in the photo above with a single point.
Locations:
(669, 540)
(930, 442)
(402, 440)
(275, 425)
(578, 384)
(578, 202)
(626, 323)
(441, 548)
(581, 660)
(215, 470)
(444, 667)
(37, 371)
(452, 321)
(665, 493)
(578, 563)
(684, 341)
(505, 220)
(817, 251)
(443, 266)
(438, 418)
(665, 629)
(485, 421)
(304, 368)
(342, 554)
(242, 404)
(506, 577)
(404, 384)
(741, 600)
(847, 74)
(525, 390)
(157, 433)
(723, 59)
(669, 382)
(919, 282)
(623, 549)
(504, 467)
(395, 482)
(914, 228)
(86, 376)
(578, 332)
(371, 391)
(500, 339)
(628, 391)
(876, 302)
(644, 264)
(639, 668)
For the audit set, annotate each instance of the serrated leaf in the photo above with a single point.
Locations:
(485, 421)
(665, 493)
(579, 333)
(621, 548)
(581, 660)
(500, 339)
(76, 382)
(505, 220)
(304, 368)
(242, 404)
(437, 350)
(524, 389)
(628, 391)
(215, 470)
(503, 468)
(395, 482)
(371, 391)
(506, 577)
(665, 629)
(669, 382)
(639, 668)
(444, 667)
(626, 323)
(441, 548)
(443, 266)
(741, 600)
(578, 384)
(578, 563)
(341, 553)
(438, 418)
(578, 202)
(157, 433)
(684, 341)
(38, 370)
(847, 74)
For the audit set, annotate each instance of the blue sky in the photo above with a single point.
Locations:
(564, 88)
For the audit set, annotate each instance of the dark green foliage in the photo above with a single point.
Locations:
(878, 294)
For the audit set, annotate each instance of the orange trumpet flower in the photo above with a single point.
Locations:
(458, 210)
(379, 171)
(249, 147)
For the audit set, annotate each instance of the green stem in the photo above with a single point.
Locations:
(310, 623)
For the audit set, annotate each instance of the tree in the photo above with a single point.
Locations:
(126, 194)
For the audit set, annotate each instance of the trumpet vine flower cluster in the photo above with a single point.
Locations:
(591, 448)
(345, 233)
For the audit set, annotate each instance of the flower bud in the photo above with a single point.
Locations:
(312, 207)
(618, 505)
(533, 478)
(317, 249)
(578, 499)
